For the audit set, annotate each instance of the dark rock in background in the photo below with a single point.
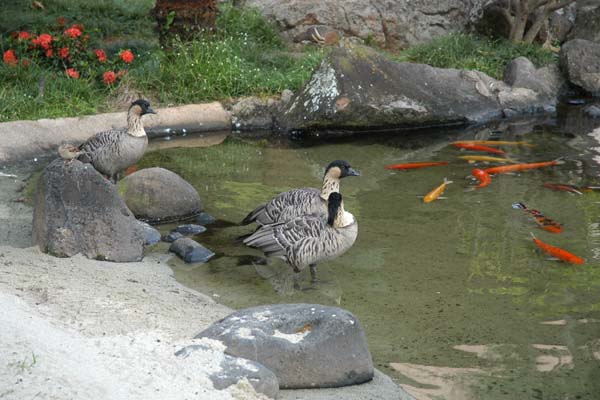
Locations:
(580, 61)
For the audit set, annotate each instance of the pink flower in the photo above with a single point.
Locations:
(23, 35)
(10, 58)
(109, 77)
(127, 56)
(101, 55)
(63, 52)
(49, 53)
(71, 72)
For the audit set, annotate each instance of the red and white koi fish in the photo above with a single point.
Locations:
(543, 221)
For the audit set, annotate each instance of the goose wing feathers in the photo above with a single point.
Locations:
(99, 142)
(288, 205)
(301, 241)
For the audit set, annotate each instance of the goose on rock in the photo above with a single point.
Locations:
(305, 241)
(297, 202)
(113, 151)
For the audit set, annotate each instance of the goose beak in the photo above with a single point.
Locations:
(353, 172)
(149, 110)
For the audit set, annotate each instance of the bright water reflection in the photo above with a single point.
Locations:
(455, 299)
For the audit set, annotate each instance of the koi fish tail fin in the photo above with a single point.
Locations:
(446, 181)
(519, 206)
(532, 235)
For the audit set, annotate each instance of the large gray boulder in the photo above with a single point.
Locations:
(159, 195)
(587, 21)
(305, 345)
(234, 369)
(580, 61)
(392, 24)
(357, 88)
(77, 210)
(546, 81)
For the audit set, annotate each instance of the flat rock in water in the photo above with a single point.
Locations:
(159, 195)
(305, 345)
(234, 369)
(191, 251)
(190, 229)
(172, 236)
(77, 210)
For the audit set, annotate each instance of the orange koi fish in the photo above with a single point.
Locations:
(557, 252)
(521, 167)
(543, 221)
(476, 147)
(483, 177)
(564, 187)
(415, 165)
(496, 143)
(437, 192)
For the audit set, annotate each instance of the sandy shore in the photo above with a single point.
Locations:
(74, 328)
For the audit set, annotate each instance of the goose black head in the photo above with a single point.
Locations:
(340, 169)
(333, 205)
(144, 107)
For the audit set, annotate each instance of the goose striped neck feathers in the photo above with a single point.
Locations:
(138, 109)
(337, 217)
(335, 171)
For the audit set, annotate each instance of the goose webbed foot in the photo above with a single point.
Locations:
(313, 273)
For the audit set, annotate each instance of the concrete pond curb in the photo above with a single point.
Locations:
(22, 140)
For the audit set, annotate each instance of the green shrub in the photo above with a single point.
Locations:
(463, 51)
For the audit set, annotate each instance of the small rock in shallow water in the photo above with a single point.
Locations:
(190, 229)
(205, 219)
(191, 251)
(173, 236)
(576, 102)
(151, 235)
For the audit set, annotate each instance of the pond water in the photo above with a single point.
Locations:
(456, 300)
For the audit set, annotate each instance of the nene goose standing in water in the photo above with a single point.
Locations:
(114, 151)
(307, 240)
(297, 202)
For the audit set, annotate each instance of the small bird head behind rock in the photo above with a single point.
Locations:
(69, 152)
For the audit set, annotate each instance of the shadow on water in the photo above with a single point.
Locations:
(456, 300)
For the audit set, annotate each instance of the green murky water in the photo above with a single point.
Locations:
(454, 297)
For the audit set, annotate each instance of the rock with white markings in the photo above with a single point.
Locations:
(305, 345)
(234, 369)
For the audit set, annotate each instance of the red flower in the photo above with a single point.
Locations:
(72, 32)
(10, 58)
(121, 73)
(109, 77)
(127, 56)
(62, 21)
(86, 38)
(49, 53)
(63, 52)
(23, 35)
(77, 26)
(101, 55)
(25, 63)
(71, 72)
(44, 41)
